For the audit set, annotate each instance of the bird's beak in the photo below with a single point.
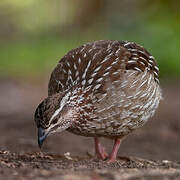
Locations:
(42, 134)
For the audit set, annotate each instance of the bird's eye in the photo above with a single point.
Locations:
(39, 111)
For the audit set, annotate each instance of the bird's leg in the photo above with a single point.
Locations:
(114, 152)
(99, 149)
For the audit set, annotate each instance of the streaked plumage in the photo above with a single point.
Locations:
(101, 89)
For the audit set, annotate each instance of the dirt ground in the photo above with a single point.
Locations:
(151, 152)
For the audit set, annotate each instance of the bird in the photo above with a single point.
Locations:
(102, 89)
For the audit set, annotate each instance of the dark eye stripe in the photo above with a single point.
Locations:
(54, 121)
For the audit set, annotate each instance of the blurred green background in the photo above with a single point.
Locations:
(35, 34)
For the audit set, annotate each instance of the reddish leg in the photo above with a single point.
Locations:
(114, 152)
(100, 152)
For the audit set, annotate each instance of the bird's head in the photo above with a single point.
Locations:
(54, 114)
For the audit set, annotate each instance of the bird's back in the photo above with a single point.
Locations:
(114, 83)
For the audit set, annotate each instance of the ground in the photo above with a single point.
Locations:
(151, 152)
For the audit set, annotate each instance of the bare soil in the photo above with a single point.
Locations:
(151, 152)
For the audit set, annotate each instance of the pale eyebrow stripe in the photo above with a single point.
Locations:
(63, 101)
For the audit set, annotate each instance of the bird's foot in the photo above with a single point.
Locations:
(99, 149)
(101, 153)
(111, 160)
(113, 155)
